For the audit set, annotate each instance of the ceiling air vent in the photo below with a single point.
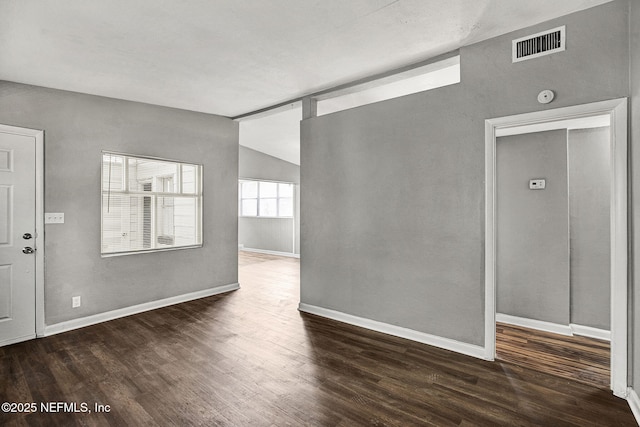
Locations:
(540, 44)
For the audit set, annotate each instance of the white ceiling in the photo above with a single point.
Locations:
(275, 134)
(230, 57)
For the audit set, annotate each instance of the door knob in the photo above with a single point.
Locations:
(27, 250)
(27, 236)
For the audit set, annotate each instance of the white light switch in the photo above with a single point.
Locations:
(537, 184)
(53, 218)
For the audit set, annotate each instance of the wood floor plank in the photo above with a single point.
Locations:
(578, 358)
(249, 357)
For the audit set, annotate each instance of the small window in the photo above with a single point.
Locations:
(266, 199)
(149, 204)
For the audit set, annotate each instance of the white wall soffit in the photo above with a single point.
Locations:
(431, 76)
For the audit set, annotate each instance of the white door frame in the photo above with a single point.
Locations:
(38, 136)
(617, 111)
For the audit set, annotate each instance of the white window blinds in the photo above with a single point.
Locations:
(149, 204)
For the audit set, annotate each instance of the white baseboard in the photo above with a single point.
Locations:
(264, 251)
(17, 340)
(540, 325)
(588, 331)
(634, 403)
(70, 325)
(410, 334)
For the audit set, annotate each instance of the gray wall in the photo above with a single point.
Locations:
(275, 234)
(77, 127)
(272, 234)
(393, 192)
(554, 245)
(634, 232)
(589, 225)
(532, 227)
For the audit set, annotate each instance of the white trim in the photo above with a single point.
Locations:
(634, 403)
(619, 248)
(264, 251)
(385, 328)
(135, 309)
(556, 328)
(571, 124)
(617, 110)
(38, 136)
(144, 157)
(539, 325)
(148, 251)
(17, 340)
(266, 217)
(591, 332)
(40, 234)
(489, 242)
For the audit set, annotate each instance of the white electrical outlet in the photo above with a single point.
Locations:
(54, 218)
(75, 302)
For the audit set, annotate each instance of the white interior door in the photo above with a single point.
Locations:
(17, 237)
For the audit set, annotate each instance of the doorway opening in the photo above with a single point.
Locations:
(615, 112)
(269, 182)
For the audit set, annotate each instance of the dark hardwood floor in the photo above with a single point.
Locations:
(578, 358)
(250, 358)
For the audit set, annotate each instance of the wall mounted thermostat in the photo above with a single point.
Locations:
(537, 184)
(546, 96)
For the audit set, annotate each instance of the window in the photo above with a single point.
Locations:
(266, 199)
(149, 204)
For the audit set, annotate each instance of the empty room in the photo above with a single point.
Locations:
(304, 213)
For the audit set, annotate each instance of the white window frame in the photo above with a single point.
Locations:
(257, 198)
(178, 193)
